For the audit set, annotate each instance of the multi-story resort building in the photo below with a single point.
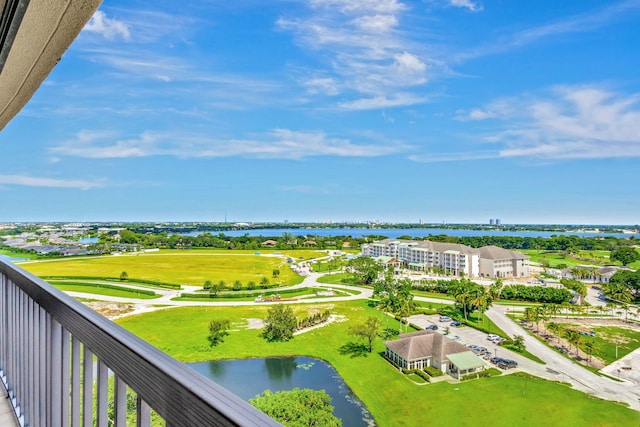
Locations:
(452, 258)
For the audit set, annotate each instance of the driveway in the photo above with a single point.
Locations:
(559, 368)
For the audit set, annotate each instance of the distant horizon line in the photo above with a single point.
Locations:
(325, 223)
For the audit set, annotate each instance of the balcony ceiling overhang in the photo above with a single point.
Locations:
(33, 36)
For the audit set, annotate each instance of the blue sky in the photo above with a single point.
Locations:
(343, 110)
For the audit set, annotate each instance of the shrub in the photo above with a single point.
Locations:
(433, 371)
(487, 373)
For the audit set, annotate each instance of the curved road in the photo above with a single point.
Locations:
(557, 368)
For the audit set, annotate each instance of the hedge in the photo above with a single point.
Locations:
(116, 279)
(244, 294)
(106, 286)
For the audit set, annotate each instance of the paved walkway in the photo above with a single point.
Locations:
(559, 368)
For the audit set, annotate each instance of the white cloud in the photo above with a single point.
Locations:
(467, 4)
(32, 181)
(569, 122)
(279, 143)
(502, 108)
(376, 23)
(364, 48)
(377, 102)
(108, 28)
(573, 24)
(322, 85)
(361, 6)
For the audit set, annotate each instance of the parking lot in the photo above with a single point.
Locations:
(470, 336)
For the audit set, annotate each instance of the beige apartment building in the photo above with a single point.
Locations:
(453, 258)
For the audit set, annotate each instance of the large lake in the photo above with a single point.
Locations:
(397, 232)
(248, 378)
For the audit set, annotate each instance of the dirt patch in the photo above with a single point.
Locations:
(255, 323)
(111, 310)
(331, 319)
(597, 322)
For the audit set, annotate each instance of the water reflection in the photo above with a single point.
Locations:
(249, 377)
(280, 368)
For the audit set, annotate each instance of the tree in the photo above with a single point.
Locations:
(280, 323)
(518, 343)
(624, 254)
(495, 289)
(629, 279)
(264, 282)
(589, 345)
(275, 273)
(217, 331)
(368, 330)
(365, 270)
(124, 275)
(251, 285)
(573, 337)
(207, 285)
(554, 328)
(298, 407)
(617, 291)
(237, 285)
(215, 288)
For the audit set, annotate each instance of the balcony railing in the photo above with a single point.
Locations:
(56, 358)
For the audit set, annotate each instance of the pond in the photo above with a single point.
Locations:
(249, 377)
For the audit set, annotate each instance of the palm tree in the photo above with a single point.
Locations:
(554, 328)
(573, 337)
(618, 292)
(589, 347)
(495, 289)
(480, 299)
(532, 315)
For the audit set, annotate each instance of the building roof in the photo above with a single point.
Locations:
(33, 37)
(432, 246)
(422, 344)
(494, 252)
(466, 360)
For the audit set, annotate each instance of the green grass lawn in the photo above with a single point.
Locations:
(337, 279)
(228, 296)
(97, 289)
(192, 267)
(511, 400)
(436, 295)
(604, 343)
(13, 254)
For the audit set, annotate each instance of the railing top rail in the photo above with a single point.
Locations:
(179, 394)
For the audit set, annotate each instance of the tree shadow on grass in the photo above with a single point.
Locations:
(354, 349)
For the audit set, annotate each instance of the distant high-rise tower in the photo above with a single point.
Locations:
(421, 221)
(492, 221)
(498, 222)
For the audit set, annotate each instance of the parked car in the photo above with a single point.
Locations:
(445, 319)
(507, 364)
(455, 323)
(432, 328)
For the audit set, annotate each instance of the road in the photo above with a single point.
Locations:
(557, 367)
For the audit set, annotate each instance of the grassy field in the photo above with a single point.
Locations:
(13, 254)
(604, 343)
(192, 267)
(555, 258)
(98, 289)
(392, 399)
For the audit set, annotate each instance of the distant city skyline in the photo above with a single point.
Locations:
(452, 111)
